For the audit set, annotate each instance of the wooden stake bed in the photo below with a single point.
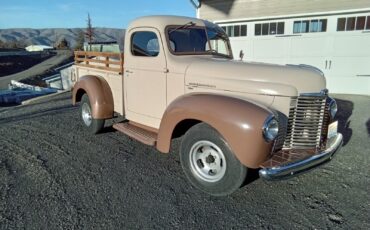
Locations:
(100, 60)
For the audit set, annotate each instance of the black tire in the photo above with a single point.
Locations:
(202, 141)
(93, 125)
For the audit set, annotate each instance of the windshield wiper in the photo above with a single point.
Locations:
(215, 52)
(183, 26)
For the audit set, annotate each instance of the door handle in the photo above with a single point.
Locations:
(326, 64)
(330, 64)
(128, 71)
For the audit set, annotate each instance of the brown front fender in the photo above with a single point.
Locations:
(238, 121)
(100, 95)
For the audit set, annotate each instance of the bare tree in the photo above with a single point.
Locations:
(54, 39)
(89, 31)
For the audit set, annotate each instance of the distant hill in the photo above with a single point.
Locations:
(48, 36)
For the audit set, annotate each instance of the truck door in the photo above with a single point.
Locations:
(145, 77)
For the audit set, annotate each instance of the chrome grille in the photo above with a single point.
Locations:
(305, 123)
(283, 124)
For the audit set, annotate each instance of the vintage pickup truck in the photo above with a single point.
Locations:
(177, 77)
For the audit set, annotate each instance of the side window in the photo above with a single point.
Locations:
(144, 44)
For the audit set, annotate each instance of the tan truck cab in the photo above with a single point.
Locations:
(177, 77)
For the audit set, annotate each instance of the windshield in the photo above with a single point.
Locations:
(195, 40)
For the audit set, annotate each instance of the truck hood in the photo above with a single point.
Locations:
(253, 78)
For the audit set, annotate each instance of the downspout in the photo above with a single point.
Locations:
(197, 4)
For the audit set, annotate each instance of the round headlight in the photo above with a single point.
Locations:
(333, 108)
(270, 129)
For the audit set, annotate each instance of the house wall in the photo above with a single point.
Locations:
(216, 10)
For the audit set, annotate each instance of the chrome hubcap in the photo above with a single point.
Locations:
(86, 114)
(207, 161)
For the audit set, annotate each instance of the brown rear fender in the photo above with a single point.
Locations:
(100, 95)
(238, 121)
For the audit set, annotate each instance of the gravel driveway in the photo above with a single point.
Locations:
(54, 175)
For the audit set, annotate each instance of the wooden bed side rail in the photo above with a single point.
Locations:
(100, 60)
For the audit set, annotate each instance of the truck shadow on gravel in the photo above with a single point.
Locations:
(345, 109)
(253, 175)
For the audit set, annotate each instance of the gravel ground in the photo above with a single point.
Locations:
(53, 175)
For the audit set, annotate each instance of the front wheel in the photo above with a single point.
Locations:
(93, 125)
(209, 163)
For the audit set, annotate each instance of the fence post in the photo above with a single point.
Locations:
(86, 58)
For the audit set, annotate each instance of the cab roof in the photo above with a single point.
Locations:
(161, 21)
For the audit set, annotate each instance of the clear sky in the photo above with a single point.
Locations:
(73, 13)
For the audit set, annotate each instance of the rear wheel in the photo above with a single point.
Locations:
(209, 163)
(93, 125)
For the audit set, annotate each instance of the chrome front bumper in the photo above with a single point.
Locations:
(301, 166)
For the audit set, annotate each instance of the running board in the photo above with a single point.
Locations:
(142, 135)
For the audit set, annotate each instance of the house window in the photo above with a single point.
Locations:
(341, 25)
(230, 31)
(271, 28)
(236, 30)
(243, 30)
(281, 27)
(353, 23)
(360, 24)
(257, 29)
(314, 26)
(297, 27)
(310, 26)
(305, 26)
(265, 29)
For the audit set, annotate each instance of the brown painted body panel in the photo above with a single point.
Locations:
(100, 95)
(238, 121)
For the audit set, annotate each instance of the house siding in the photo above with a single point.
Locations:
(216, 10)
